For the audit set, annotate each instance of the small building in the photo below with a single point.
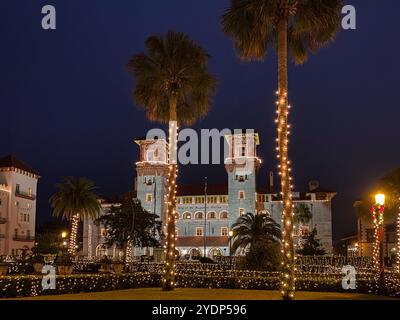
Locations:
(18, 189)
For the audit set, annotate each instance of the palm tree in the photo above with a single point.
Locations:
(75, 200)
(391, 186)
(250, 229)
(173, 85)
(298, 27)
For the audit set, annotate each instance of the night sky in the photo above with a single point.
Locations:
(66, 106)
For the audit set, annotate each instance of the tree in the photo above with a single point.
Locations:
(298, 27)
(263, 257)
(75, 200)
(250, 229)
(48, 239)
(391, 186)
(311, 245)
(128, 222)
(302, 214)
(173, 85)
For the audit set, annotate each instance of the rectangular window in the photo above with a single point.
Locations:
(199, 231)
(243, 154)
(241, 211)
(224, 231)
(149, 197)
(28, 234)
(24, 217)
(27, 217)
(30, 192)
(17, 188)
(241, 195)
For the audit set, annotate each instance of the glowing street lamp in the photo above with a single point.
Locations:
(64, 234)
(377, 211)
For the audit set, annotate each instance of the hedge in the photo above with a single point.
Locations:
(25, 286)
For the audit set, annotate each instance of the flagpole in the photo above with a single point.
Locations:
(205, 215)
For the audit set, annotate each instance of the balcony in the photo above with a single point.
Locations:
(25, 195)
(23, 238)
(3, 220)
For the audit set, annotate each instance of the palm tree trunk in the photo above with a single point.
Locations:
(168, 280)
(74, 234)
(398, 243)
(288, 275)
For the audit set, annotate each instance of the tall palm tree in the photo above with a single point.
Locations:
(75, 200)
(173, 85)
(298, 27)
(391, 185)
(250, 229)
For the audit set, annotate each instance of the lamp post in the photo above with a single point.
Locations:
(230, 248)
(378, 221)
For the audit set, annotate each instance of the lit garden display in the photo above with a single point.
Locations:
(193, 275)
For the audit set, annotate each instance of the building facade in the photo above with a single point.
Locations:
(206, 213)
(18, 189)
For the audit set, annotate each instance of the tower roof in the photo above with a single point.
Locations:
(11, 161)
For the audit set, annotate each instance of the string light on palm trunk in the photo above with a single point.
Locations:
(168, 274)
(288, 279)
(398, 242)
(74, 234)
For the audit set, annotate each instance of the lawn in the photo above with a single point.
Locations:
(205, 294)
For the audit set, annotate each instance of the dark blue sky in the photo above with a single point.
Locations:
(66, 106)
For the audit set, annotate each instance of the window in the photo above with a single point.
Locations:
(211, 215)
(178, 200)
(187, 200)
(241, 211)
(30, 192)
(187, 216)
(27, 217)
(199, 200)
(103, 232)
(223, 199)
(24, 217)
(243, 152)
(199, 216)
(28, 234)
(241, 195)
(149, 197)
(212, 199)
(17, 188)
(177, 216)
(223, 215)
(29, 205)
(199, 231)
(224, 231)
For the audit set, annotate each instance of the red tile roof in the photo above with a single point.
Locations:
(11, 161)
(199, 241)
(198, 190)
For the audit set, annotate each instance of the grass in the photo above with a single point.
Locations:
(205, 294)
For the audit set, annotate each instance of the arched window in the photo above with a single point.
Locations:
(211, 215)
(187, 216)
(199, 216)
(214, 252)
(223, 215)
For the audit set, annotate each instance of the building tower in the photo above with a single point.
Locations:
(18, 183)
(152, 176)
(242, 165)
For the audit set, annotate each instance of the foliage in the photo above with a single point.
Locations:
(311, 245)
(389, 184)
(253, 26)
(302, 214)
(173, 65)
(37, 258)
(128, 221)
(75, 196)
(263, 257)
(250, 229)
(25, 286)
(64, 259)
(204, 259)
